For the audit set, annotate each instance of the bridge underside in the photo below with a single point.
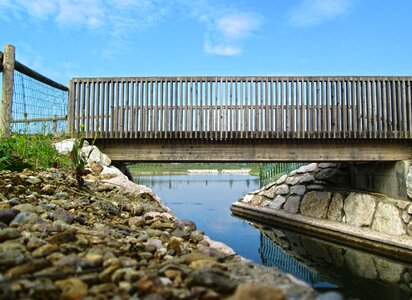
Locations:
(271, 150)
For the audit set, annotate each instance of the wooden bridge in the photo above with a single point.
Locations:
(245, 118)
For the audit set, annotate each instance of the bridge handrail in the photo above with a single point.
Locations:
(227, 107)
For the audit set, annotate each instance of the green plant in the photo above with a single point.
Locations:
(10, 161)
(79, 162)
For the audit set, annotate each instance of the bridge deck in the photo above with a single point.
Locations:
(246, 110)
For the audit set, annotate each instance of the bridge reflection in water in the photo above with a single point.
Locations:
(274, 256)
(325, 265)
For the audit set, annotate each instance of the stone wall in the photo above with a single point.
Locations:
(312, 191)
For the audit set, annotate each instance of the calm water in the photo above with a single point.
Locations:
(206, 199)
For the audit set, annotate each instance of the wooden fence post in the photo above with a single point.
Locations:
(7, 89)
(70, 112)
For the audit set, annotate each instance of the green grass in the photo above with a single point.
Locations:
(23, 150)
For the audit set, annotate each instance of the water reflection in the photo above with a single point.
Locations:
(326, 265)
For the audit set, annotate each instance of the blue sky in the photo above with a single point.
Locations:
(92, 38)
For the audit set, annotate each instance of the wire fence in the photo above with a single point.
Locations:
(270, 172)
(273, 255)
(37, 107)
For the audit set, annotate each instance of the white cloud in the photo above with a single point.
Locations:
(237, 26)
(226, 28)
(315, 12)
(219, 49)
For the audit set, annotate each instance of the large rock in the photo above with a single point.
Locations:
(298, 190)
(292, 204)
(258, 200)
(315, 204)
(282, 189)
(336, 208)
(388, 220)
(307, 168)
(66, 146)
(278, 202)
(409, 182)
(93, 155)
(305, 178)
(359, 209)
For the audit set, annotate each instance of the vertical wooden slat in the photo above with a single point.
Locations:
(314, 110)
(100, 109)
(177, 108)
(92, 113)
(247, 109)
(287, 108)
(359, 107)
(336, 108)
(133, 108)
(385, 109)
(302, 109)
(292, 108)
(404, 110)
(200, 110)
(113, 114)
(374, 108)
(389, 98)
(379, 112)
(87, 109)
(309, 110)
(119, 107)
(155, 88)
(343, 105)
(364, 109)
(368, 109)
(328, 101)
(128, 110)
(78, 103)
(398, 105)
(107, 109)
(322, 108)
(267, 119)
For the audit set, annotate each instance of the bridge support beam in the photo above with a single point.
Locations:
(181, 150)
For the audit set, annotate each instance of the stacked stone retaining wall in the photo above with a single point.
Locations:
(315, 191)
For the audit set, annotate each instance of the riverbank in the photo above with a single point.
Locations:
(113, 238)
(317, 198)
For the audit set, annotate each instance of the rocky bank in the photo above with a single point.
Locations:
(314, 194)
(112, 239)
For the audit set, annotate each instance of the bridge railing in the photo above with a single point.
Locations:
(240, 107)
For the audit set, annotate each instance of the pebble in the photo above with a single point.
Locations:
(14, 201)
(109, 244)
(72, 289)
(9, 234)
(7, 215)
(63, 215)
(33, 180)
(218, 280)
